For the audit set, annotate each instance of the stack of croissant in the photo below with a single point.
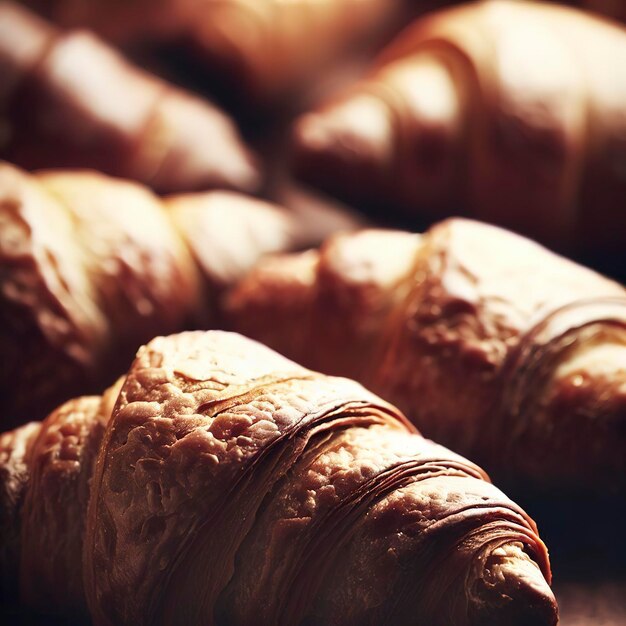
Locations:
(212, 480)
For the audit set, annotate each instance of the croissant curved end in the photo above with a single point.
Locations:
(510, 590)
(356, 134)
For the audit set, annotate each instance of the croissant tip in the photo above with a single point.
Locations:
(244, 174)
(359, 124)
(511, 590)
(239, 171)
(355, 137)
(310, 134)
(314, 148)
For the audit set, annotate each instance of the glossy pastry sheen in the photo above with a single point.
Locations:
(490, 343)
(92, 266)
(68, 99)
(232, 486)
(510, 112)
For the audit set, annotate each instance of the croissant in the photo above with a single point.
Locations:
(491, 344)
(261, 49)
(57, 111)
(511, 112)
(220, 483)
(91, 267)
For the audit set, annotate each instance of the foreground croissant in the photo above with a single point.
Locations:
(220, 483)
(91, 267)
(512, 112)
(491, 344)
(67, 99)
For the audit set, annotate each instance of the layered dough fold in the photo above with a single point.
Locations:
(509, 112)
(232, 486)
(490, 343)
(92, 266)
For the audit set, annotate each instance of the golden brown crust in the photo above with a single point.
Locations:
(340, 295)
(360, 278)
(91, 266)
(480, 293)
(233, 486)
(15, 454)
(236, 439)
(227, 232)
(207, 401)
(480, 337)
(83, 282)
(502, 108)
(274, 303)
(119, 120)
(45, 472)
(54, 509)
(355, 471)
(137, 264)
(51, 326)
(572, 380)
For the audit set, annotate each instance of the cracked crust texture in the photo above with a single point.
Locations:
(491, 344)
(45, 474)
(270, 468)
(232, 486)
(53, 513)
